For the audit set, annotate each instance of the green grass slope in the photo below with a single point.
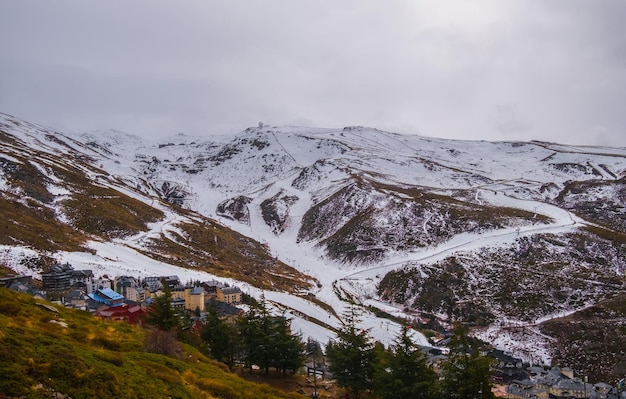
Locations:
(73, 353)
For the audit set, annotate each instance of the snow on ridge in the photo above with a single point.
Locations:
(492, 169)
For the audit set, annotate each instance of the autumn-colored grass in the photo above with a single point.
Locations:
(91, 358)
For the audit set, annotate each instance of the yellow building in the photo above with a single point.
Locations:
(193, 296)
(229, 295)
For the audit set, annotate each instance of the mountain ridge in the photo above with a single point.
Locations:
(347, 208)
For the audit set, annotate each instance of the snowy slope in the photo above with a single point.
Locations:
(390, 173)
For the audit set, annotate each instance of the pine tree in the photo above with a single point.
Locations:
(251, 330)
(403, 371)
(466, 373)
(165, 320)
(161, 313)
(218, 335)
(351, 356)
(290, 349)
(267, 341)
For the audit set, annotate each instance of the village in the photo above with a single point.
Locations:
(127, 299)
(123, 298)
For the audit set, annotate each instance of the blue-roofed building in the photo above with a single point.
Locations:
(107, 297)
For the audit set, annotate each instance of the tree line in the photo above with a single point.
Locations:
(357, 363)
(402, 371)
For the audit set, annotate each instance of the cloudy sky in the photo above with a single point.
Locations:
(486, 70)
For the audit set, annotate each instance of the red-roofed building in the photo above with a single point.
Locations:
(133, 314)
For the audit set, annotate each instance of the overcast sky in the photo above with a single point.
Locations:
(486, 70)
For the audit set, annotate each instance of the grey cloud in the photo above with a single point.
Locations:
(494, 70)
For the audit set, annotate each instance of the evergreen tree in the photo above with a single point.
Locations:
(251, 335)
(219, 336)
(268, 342)
(466, 373)
(161, 313)
(166, 321)
(314, 349)
(351, 356)
(290, 349)
(403, 371)
(258, 338)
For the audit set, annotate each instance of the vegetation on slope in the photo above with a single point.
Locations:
(26, 214)
(58, 202)
(107, 213)
(31, 212)
(593, 341)
(599, 201)
(209, 246)
(36, 226)
(70, 352)
(364, 220)
(540, 275)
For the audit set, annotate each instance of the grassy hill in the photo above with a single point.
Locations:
(72, 353)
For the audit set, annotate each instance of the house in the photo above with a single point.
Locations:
(19, 283)
(81, 280)
(210, 287)
(569, 388)
(7, 280)
(171, 281)
(133, 314)
(525, 389)
(508, 368)
(557, 383)
(63, 277)
(224, 309)
(229, 295)
(58, 279)
(601, 391)
(178, 303)
(106, 296)
(102, 282)
(130, 288)
(194, 297)
(76, 299)
(152, 283)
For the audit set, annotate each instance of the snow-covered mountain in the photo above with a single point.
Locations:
(489, 233)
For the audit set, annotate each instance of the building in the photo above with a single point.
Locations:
(194, 297)
(106, 296)
(17, 283)
(210, 287)
(58, 279)
(133, 314)
(558, 383)
(171, 281)
(63, 277)
(76, 299)
(102, 282)
(229, 295)
(130, 288)
(152, 283)
(507, 367)
(81, 280)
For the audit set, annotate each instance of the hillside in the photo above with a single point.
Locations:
(492, 234)
(593, 341)
(56, 198)
(67, 351)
